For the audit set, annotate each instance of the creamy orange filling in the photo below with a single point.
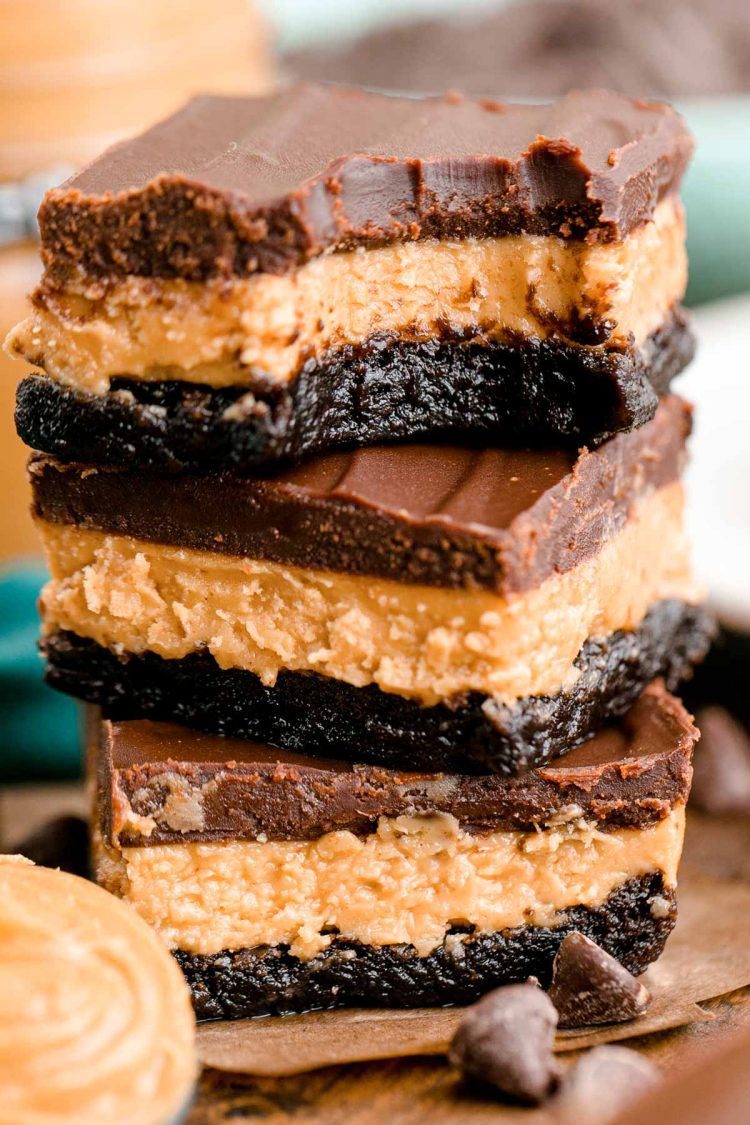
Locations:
(422, 642)
(95, 1018)
(409, 881)
(496, 289)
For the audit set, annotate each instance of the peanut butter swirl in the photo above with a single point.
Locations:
(95, 1018)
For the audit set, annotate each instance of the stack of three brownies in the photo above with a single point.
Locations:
(359, 482)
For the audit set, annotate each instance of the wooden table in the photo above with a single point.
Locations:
(410, 1092)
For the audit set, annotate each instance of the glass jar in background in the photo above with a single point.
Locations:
(74, 78)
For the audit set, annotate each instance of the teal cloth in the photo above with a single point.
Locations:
(716, 191)
(39, 727)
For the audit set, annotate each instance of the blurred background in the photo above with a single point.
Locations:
(75, 76)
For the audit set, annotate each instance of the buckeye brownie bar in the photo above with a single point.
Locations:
(414, 605)
(283, 882)
(260, 278)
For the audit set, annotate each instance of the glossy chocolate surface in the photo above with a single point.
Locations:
(441, 515)
(198, 786)
(239, 185)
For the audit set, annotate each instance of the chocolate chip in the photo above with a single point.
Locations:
(589, 986)
(506, 1040)
(601, 1084)
(721, 781)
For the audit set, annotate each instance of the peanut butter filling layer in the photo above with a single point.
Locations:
(409, 881)
(416, 641)
(493, 290)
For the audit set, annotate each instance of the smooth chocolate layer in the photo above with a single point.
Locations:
(308, 713)
(386, 391)
(189, 786)
(238, 185)
(633, 925)
(502, 519)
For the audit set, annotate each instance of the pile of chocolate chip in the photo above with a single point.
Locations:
(506, 1040)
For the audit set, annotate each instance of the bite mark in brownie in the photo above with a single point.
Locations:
(423, 261)
(535, 392)
(494, 292)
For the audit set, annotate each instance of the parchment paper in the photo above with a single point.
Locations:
(707, 955)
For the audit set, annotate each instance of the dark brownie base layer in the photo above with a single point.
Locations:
(633, 925)
(314, 714)
(361, 396)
